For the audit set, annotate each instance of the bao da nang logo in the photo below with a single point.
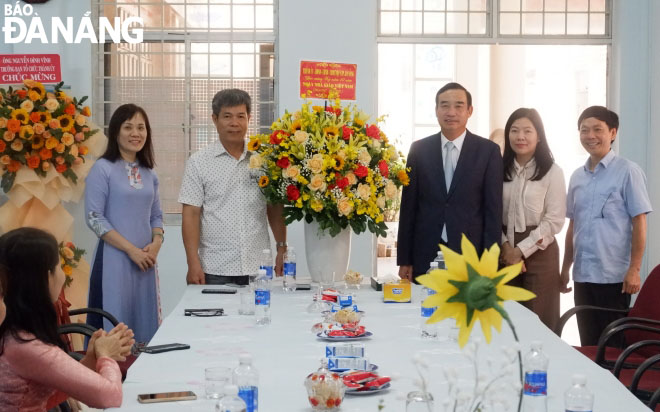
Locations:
(23, 25)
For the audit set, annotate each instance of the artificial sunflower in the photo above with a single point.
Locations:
(37, 89)
(339, 163)
(296, 125)
(331, 131)
(471, 288)
(263, 181)
(66, 122)
(21, 115)
(253, 145)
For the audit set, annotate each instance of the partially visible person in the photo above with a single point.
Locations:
(534, 200)
(3, 308)
(33, 362)
(225, 217)
(607, 204)
(122, 207)
(455, 188)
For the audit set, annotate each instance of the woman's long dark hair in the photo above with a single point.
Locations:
(123, 113)
(27, 258)
(542, 155)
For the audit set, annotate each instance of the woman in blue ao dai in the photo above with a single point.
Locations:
(122, 207)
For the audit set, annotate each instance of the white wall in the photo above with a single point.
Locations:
(634, 76)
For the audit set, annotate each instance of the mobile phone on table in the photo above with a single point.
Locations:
(221, 291)
(303, 286)
(165, 348)
(167, 397)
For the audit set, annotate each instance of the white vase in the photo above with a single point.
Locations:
(325, 253)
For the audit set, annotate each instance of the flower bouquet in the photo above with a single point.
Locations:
(327, 164)
(41, 130)
(70, 256)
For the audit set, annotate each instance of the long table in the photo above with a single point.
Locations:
(286, 351)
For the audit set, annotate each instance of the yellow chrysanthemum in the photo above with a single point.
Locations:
(471, 288)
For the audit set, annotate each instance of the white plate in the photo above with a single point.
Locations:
(343, 338)
(354, 392)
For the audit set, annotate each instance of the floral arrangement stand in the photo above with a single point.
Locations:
(470, 289)
(45, 137)
(329, 166)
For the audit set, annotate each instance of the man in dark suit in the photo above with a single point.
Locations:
(455, 188)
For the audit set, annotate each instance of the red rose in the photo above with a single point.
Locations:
(346, 132)
(61, 168)
(331, 186)
(373, 131)
(361, 171)
(70, 109)
(21, 93)
(292, 193)
(336, 111)
(382, 166)
(278, 136)
(342, 182)
(283, 162)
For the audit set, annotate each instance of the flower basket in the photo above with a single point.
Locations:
(327, 164)
(41, 130)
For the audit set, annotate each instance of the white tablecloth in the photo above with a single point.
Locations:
(286, 351)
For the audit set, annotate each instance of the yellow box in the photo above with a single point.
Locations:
(399, 292)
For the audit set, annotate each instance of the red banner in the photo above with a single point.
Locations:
(318, 78)
(44, 68)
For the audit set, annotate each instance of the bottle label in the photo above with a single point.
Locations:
(250, 395)
(427, 312)
(536, 383)
(262, 297)
(290, 269)
(268, 269)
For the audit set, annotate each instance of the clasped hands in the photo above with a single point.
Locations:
(116, 344)
(145, 258)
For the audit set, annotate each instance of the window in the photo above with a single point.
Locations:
(494, 19)
(191, 50)
(434, 17)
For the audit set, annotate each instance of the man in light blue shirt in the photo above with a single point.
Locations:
(607, 203)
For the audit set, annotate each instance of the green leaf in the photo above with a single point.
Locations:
(82, 100)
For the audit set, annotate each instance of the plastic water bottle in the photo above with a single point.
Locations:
(262, 298)
(429, 331)
(266, 262)
(535, 391)
(246, 377)
(578, 398)
(290, 270)
(231, 402)
(441, 260)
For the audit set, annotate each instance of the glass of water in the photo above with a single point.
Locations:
(216, 378)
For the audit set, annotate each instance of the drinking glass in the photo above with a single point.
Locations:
(418, 401)
(327, 279)
(216, 378)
